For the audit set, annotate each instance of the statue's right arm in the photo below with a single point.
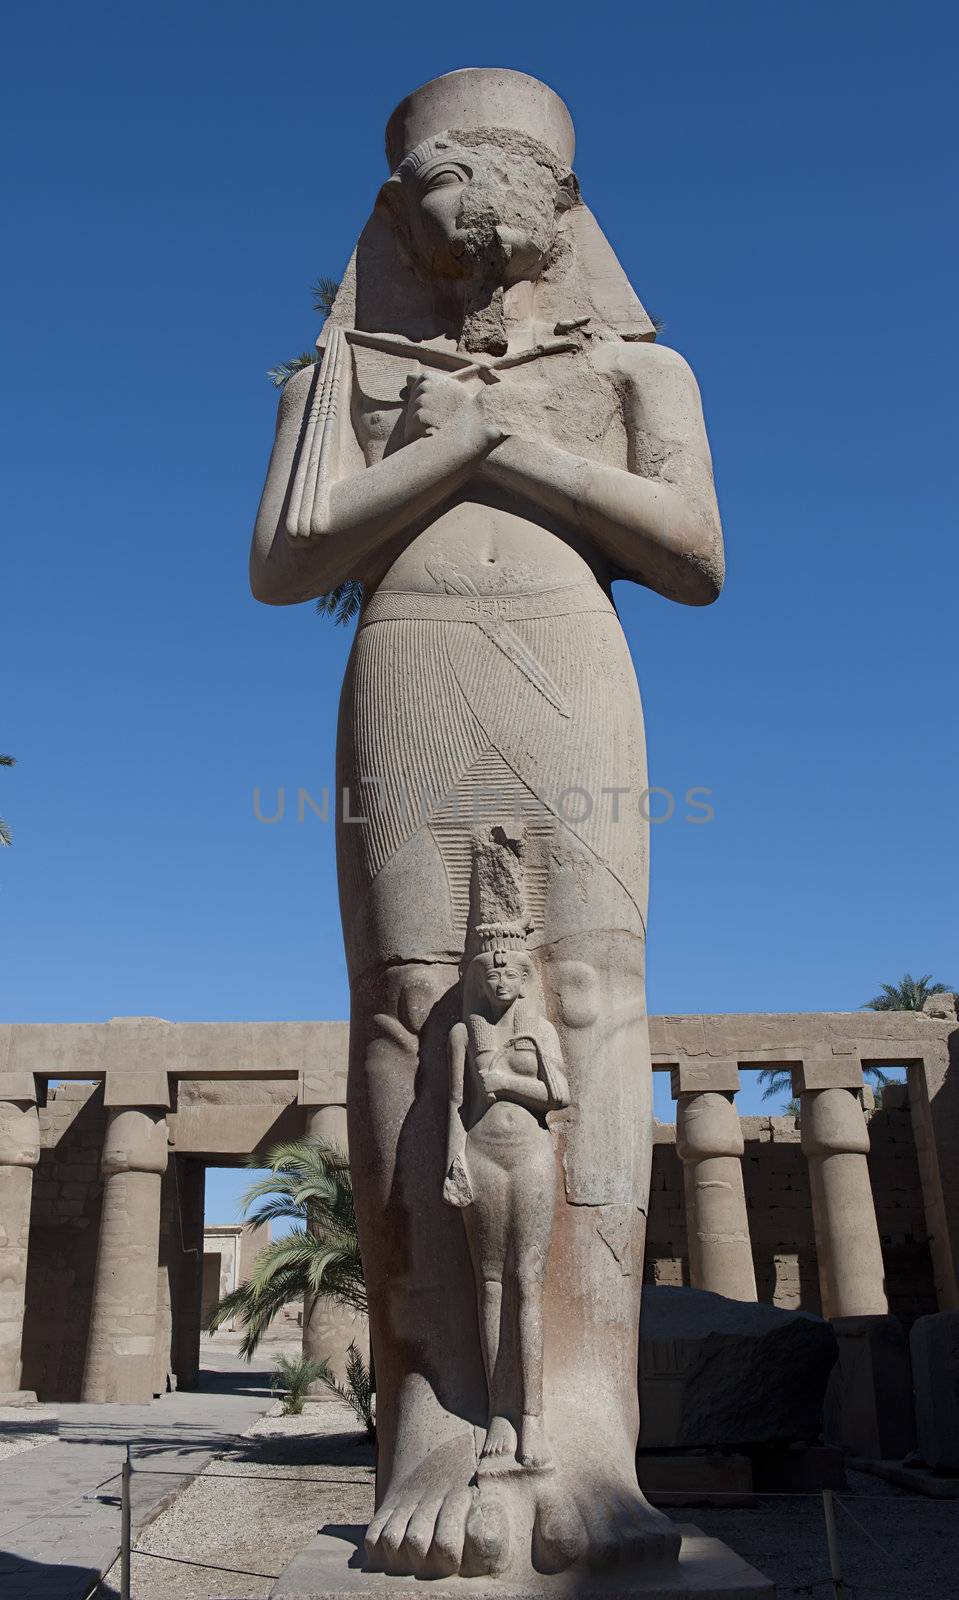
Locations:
(361, 511)
(456, 1055)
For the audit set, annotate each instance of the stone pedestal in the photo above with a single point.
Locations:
(709, 1141)
(328, 1329)
(835, 1141)
(19, 1154)
(706, 1568)
(934, 1344)
(120, 1346)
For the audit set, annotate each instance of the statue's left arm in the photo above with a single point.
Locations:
(657, 520)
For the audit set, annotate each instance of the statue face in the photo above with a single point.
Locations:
(503, 977)
(476, 214)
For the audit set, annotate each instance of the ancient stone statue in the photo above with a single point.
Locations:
(492, 437)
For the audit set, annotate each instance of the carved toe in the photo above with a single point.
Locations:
(419, 1533)
(559, 1535)
(486, 1545)
(446, 1554)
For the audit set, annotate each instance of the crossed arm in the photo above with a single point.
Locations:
(657, 520)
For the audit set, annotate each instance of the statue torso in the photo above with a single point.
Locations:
(478, 543)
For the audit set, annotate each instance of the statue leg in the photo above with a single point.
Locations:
(430, 1519)
(487, 1230)
(591, 1510)
(533, 1208)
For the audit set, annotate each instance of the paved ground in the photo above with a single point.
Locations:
(59, 1497)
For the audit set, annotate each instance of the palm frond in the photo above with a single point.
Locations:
(775, 1080)
(357, 1391)
(343, 602)
(276, 1210)
(6, 837)
(325, 291)
(8, 761)
(281, 375)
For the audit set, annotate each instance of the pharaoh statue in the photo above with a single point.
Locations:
(491, 437)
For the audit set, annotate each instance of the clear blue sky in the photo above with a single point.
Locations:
(776, 180)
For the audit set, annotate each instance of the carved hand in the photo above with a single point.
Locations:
(431, 400)
(457, 1190)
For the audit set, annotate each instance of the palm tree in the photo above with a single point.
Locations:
(909, 994)
(779, 1080)
(6, 837)
(309, 1185)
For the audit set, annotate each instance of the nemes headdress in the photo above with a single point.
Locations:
(379, 293)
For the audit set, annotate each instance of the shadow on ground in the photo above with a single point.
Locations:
(39, 1580)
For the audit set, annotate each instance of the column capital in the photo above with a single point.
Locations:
(135, 1140)
(708, 1125)
(19, 1123)
(703, 1073)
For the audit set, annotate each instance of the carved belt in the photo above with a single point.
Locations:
(400, 605)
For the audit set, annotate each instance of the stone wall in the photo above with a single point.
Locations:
(779, 1208)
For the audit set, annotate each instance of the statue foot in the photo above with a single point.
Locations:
(499, 1451)
(584, 1521)
(428, 1531)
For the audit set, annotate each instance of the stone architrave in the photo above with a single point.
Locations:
(19, 1154)
(835, 1141)
(492, 435)
(709, 1141)
(119, 1362)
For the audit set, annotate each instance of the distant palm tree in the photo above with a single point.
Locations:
(343, 602)
(909, 994)
(309, 1185)
(6, 837)
(779, 1080)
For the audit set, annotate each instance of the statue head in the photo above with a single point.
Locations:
(481, 225)
(481, 178)
(502, 976)
(480, 205)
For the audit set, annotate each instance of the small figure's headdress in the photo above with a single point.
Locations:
(498, 916)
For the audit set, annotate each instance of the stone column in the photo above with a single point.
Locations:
(709, 1141)
(835, 1142)
(19, 1154)
(120, 1344)
(328, 1329)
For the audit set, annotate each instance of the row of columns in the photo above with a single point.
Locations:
(120, 1348)
(835, 1142)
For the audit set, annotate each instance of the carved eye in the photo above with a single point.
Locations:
(444, 179)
